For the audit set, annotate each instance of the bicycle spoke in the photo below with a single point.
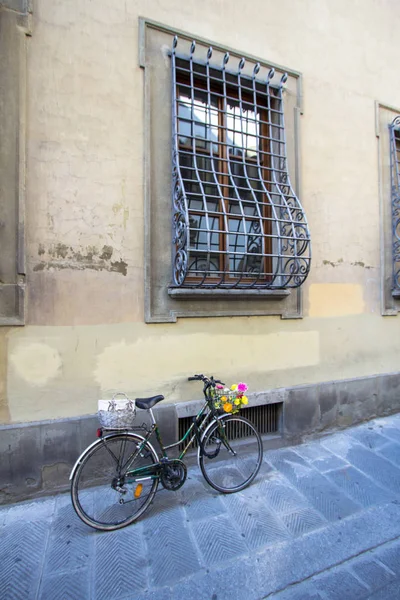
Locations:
(104, 494)
(238, 459)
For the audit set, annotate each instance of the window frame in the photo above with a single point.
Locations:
(222, 176)
(163, 302)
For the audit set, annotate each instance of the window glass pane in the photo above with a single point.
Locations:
(204, 244)
(196, 169)
(243, 129)
(245, 246)
(198, 118)
(243, 183)
(202, 237)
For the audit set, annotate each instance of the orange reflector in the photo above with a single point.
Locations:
(138, 490)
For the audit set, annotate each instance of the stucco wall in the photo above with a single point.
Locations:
(85, 333)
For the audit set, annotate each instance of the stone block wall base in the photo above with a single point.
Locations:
(36, 458)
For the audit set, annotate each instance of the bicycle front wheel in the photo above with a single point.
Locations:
(232, 454)
(115, 481)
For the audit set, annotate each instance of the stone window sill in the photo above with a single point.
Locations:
(207, 294)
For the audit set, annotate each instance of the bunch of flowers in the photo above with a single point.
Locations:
(230, 400)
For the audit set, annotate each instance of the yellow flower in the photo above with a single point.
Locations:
(224, 399)
(237, 401)
(245, 400)
(228, 407)
(234, 387)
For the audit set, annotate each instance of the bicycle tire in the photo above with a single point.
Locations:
(95, 500)
(226, 473)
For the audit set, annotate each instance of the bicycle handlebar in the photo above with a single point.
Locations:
(206, 380)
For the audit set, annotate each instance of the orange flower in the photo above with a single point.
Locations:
(228, 407)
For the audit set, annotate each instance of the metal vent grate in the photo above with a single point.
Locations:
(265, 417)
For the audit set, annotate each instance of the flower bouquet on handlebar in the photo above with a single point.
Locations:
(229, 400)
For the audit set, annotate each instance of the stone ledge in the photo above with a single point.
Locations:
(226, 294)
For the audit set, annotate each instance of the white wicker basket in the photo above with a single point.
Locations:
(117, 413)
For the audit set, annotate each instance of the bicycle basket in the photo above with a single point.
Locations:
(231, 400)
(117, 413)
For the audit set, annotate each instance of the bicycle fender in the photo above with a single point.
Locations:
(205, 432)
(100, 441)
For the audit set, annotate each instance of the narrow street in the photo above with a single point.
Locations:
(321, 521)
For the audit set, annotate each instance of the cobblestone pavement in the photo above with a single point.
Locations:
(321, 522)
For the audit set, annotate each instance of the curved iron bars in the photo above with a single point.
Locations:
(394, 129)
(237, 222)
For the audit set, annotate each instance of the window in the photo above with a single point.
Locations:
(394, 129)
(239, 243)
(238, 223)
(387, 128)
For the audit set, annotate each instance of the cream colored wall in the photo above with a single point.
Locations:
(85, 334)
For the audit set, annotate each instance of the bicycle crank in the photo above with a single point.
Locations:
(173, 474)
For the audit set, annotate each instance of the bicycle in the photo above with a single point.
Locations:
(116, 478)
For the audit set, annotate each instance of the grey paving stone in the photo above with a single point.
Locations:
(391, 451)
(302, 591)
(393, 433)
(340, 584)
(170, 548)
(36, 510)
(73, 585)
(218, 540)
(302, 521)
(340, 444)
(200, 503)
(321, 494)
(282, 497)
(379, 469)
(329, 463)
(159, 594)
(121, 563)
(164, 501)
(389, 592)
(368, 437)
(372, 573)
(236, 581)
(389, 555)
(359, 487)
(21, 555)
(70, 545)
(290, 563)
(257, 525)
(312, 451)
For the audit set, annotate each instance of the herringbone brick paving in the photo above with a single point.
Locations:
(321, 521)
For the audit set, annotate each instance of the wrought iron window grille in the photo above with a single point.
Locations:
(394, 129)
(237, 222)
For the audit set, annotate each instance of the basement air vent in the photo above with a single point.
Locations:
(265, 417)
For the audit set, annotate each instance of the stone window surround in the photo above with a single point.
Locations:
(384, 115)
(155, 41)
(15, 26)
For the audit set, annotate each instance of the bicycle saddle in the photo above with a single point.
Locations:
(147, 403)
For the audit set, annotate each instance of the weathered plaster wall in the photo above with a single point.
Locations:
(85, 334)
(56, 372)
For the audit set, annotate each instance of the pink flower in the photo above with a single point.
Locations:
(242, 387)
(219, 386)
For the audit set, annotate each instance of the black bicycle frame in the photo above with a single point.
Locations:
(200, 421)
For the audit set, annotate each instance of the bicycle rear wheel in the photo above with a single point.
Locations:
(234, 448)
(106, 492)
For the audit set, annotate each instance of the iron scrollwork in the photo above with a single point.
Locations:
(237, 222)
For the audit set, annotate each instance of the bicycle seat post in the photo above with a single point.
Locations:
(152, 416)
